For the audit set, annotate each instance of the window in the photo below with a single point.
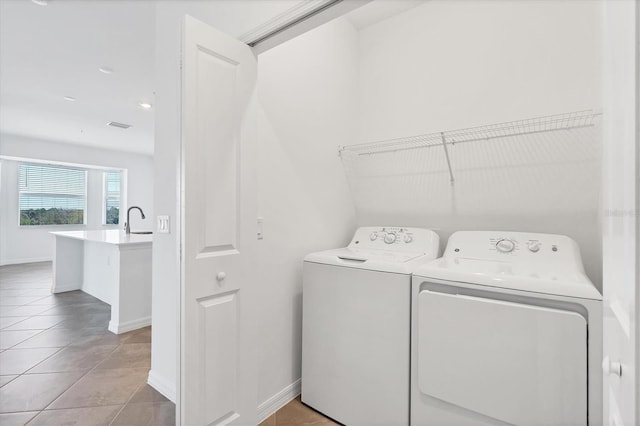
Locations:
(51, 195)
(112, 182)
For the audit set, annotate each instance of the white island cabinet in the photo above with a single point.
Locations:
(111, 265)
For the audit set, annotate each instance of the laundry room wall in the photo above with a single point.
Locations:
(451, 64)
(307, 92)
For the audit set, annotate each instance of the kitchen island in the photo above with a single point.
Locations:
(110, 265)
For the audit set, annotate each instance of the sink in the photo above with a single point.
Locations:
(142, 232)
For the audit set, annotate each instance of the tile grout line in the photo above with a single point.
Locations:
(22, 341)
(81, 377)
(25, 373)
(53, 354)
(119, 345)
(40, 331)
(69, 387)
(126, 403)
(84, 375)
(34, 366)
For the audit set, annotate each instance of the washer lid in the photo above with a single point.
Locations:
(537, 263)
(385, 249)
(534, 278)
(371, 259)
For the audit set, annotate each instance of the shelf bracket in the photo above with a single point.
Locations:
(446, 154)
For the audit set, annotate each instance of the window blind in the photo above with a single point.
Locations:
(50, 195)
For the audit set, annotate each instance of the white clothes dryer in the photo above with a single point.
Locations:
(506, 329)
(356, 325)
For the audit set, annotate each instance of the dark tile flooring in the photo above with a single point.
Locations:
(59, 365)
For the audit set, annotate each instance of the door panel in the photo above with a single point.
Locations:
(218, 373)
(219, 363)
(216, 95)
(513, 362)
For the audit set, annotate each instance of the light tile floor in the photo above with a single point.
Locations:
(295, 413)
(60, 365)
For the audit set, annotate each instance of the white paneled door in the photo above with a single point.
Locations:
(218, 375)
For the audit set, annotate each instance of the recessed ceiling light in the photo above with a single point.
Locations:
(106, 70)
(69, 98)
(145, 105)
(40, 2)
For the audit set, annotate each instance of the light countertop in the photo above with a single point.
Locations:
(107, 236)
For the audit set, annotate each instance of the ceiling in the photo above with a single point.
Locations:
(379, 10)
(49, 52)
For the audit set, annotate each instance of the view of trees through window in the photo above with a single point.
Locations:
(51, 195)
(112, 182)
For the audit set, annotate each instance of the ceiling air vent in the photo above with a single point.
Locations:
(119, 125)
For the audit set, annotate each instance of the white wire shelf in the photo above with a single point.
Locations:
(550, 123)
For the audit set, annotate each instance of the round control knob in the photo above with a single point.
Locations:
(390, 238)
(373, 236)
(534, 246)
(408, 239)
(505, 246)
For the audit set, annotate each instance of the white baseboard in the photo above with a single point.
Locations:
(278, 400)
(162, 385)
(61, 288)
(25, 260)
(123, 327)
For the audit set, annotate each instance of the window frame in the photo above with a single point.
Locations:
(105, 195)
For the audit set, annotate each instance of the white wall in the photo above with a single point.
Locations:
(307, 91)
(451, 64)
(29, 244)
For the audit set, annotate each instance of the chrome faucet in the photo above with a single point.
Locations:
(127, 228)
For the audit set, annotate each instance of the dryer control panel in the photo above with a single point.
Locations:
(513, 246)
(395, 238)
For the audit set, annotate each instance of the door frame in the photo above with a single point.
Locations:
(621, 129)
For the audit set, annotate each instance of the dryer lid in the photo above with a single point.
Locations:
(537, 263)
(512, 276)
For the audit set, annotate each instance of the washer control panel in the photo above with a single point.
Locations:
(506, 246)
(510, 245)
(394, 238)
(390, 235)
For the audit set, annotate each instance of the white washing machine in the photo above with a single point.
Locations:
(506, 329)
(356, 323)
